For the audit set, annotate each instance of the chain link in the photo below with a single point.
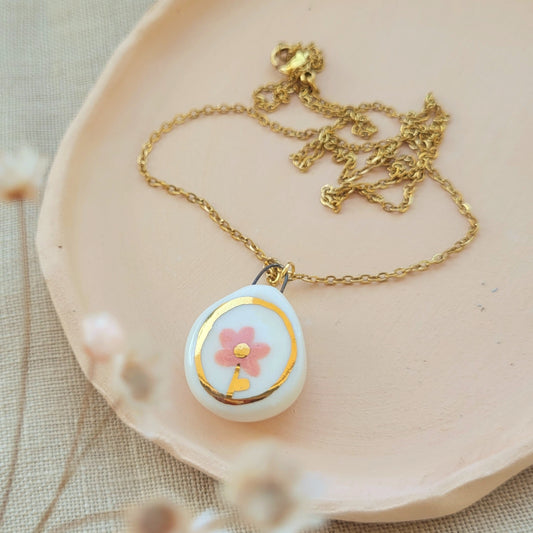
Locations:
(421, 133)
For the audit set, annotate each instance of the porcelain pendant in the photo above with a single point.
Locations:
(245, 355)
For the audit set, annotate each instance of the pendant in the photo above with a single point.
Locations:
(245, 355)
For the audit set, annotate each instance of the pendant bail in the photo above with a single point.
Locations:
(280, 272)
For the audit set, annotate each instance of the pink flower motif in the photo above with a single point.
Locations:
(239, 348)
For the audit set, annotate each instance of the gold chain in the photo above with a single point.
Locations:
(420, 132)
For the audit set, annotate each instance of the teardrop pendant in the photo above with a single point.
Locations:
(245, 355)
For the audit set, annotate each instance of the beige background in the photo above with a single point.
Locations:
(51, 56)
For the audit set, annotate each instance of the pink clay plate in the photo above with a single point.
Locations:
(419, 393)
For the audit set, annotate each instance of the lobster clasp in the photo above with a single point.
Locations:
(298, 62)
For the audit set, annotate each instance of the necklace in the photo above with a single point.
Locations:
(245, 356)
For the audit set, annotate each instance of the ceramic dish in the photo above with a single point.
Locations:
(419, 392)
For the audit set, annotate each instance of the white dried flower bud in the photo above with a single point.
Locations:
(158, 517)
(103, 336)
(270, 491)
(138, 379)
(21, 174)
(163, 516)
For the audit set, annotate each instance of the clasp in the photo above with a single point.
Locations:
(287, 59)
(298, 62)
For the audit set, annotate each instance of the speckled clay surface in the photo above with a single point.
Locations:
(419, 392)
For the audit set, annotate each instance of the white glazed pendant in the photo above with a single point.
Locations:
(245, 355)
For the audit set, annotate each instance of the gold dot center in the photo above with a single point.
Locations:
(241, 350)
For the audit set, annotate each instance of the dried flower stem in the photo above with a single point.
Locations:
(97, 432)
(72, 464)
(72, 453)
(96, 517)
(21, 407)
